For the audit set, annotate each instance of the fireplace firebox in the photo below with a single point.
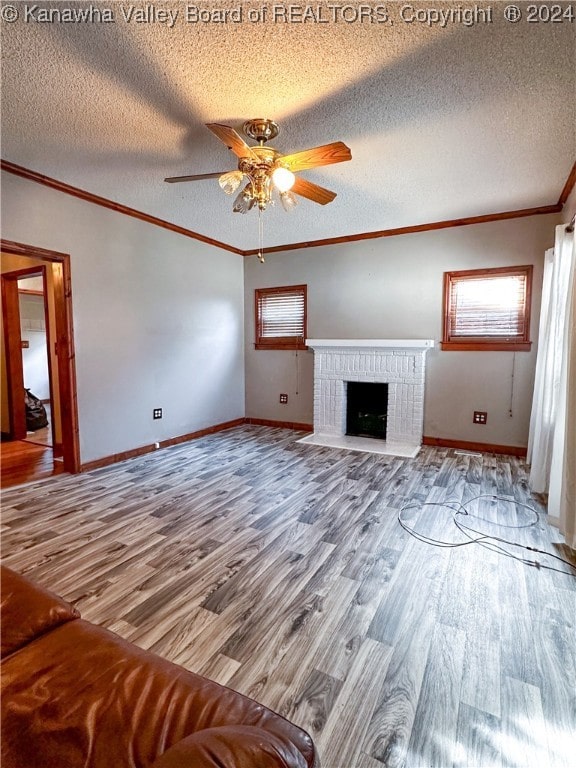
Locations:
(366, 409)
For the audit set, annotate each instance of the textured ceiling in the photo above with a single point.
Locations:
(443, 122)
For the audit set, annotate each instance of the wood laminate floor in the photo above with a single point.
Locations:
(280, 570)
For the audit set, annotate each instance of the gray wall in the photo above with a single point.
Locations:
(392, 288)
(158, 319)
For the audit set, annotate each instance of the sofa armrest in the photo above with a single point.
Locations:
(232, 746)
(28, 611)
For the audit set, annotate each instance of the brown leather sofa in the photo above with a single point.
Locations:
(76, 695)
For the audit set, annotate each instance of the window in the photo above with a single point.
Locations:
(281, 317)
(487, 309)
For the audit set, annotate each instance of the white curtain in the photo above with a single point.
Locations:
(552, 440)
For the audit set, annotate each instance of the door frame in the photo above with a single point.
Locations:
(64, 332)
(11, 295)
(56, 447)
(13, 348)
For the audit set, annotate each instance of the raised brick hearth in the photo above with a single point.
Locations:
(400, 363)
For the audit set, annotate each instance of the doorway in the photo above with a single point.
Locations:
(35, 331)
(22, 262)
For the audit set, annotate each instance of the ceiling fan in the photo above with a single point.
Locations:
(266, 170)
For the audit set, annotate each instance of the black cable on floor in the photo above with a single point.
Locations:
(460, 510)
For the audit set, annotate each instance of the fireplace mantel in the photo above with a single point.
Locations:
(371, 343)
(400, 363)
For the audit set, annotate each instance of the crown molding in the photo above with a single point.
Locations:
(68, 189)
(539, 211)
(568, 187)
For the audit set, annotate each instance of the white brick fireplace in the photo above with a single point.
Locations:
(400, 363)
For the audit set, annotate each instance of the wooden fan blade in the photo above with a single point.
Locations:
(312, 191)
(196, 177)
(337, 152)
(233, 140)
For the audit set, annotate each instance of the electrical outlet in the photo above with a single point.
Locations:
(480, 417)
(284, 399)
(157, 413)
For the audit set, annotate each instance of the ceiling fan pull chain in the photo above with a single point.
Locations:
(260, 237)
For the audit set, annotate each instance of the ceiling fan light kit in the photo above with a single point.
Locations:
(230, 181)
(289, 201)
(283, 179)
(245, 201)
(267, 170)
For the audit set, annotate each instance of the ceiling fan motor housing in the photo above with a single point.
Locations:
(259, 173)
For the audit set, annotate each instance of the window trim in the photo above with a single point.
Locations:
(486, 343)
(280, 342)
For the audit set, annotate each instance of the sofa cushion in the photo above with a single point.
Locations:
(232, 746)
(28, 611)
(84, 697)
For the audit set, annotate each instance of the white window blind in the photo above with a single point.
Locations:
(281, 316)
(488, 307)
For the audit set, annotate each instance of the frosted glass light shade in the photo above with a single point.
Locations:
(289, 201)
(283, 179)
(244, 201)
(230, 181)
